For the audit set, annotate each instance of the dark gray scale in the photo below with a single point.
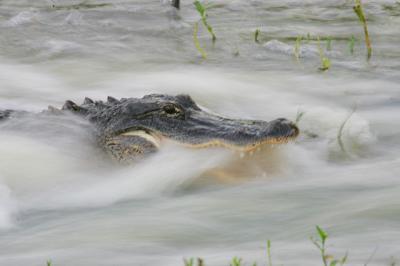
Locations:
(5, 114)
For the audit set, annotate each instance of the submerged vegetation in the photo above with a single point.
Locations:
(320, 242)
(297, 48)
(82, 5)
(202, 10)
(325, 62)
(256, 35)
(358, 9)
(340, 132)
(196, 41)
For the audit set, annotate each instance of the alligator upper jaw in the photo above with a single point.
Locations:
(247, 145)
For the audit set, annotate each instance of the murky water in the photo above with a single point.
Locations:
(61, 199)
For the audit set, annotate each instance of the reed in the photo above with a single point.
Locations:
(202, 10)
(196, 41)
(297, 47)
(325, 62)
(269, 253)
(236, 262)
(340, 131)
(320, 243)
(256, 35)
(176, 4)
(358, 9)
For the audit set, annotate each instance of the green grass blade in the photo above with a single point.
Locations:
(322, 234)
(200, 8)
(358, 9)
(269, 253)
(196, 41)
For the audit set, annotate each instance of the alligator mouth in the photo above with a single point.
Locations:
(241, 148)
(146, 135)
(279, 131)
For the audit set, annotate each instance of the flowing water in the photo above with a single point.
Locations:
(61, 199)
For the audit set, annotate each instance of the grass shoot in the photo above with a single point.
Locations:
(325, 62)
(299, 116)
(200, 262)
(188, 262)
(256, 35)
(176, 3)
(202, 10)
(340, 132)
(297, 47)
(358, 9)
(82, 5)
(351, 44)
(320, 243)
(196, 41)
(308, 37)
(269, 253)
(236, 262)
(329, 43)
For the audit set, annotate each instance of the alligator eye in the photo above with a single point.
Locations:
(171, 109)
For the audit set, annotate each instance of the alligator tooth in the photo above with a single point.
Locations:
(144, 135)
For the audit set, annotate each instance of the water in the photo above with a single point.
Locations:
(61, 199)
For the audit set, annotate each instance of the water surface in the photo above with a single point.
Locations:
(61, 199)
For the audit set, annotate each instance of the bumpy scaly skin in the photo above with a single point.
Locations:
(130, 128)
(5, 114)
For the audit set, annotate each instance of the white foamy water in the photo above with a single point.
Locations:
(62, 199)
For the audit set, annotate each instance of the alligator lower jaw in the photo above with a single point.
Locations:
(152, 138)
(240, 148)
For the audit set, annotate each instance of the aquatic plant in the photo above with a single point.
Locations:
(308, 37)
(202, 9)
(297, 47)
(319, 242)
(269, 253)
(329, 43)
(176, 3)
(82, 5)
(200, 262)
(358, 9)
(328, 260)
(325, 62)
(196, 41)
(236, 261)
(299, 115)
(188, 262)
(351, 44)
(256, 34)
(340, 132)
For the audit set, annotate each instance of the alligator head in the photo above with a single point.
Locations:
(129, 128)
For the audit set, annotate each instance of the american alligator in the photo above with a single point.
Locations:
(130, 128)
